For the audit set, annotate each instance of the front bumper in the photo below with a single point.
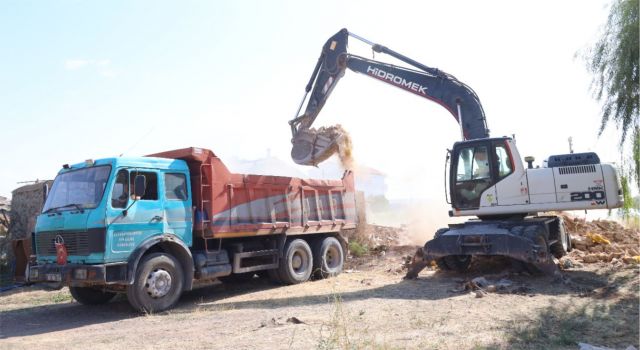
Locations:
(78, 275)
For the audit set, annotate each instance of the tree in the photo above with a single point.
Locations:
(614, 61)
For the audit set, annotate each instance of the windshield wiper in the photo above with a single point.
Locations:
(78, 206)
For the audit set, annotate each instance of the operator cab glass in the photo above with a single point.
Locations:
(478, 166)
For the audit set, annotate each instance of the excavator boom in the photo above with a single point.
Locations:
(312, 146)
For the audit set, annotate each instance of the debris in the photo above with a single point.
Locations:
(366, 281)
(632, 260)
(294, 320)
(480, 282)
(596, 238)
(504, 283)
(479, 293)
(566, 263)
(602, 241)
(585, 346)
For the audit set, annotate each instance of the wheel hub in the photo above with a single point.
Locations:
(332, 257)
(296, 262)
(158, 283)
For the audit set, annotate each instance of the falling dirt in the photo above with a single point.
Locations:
(342, 145)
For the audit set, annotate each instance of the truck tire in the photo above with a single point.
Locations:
(157, 285)
(274, 276)
(328, 257)
(458, 263)
(297, 263)
(90, 296)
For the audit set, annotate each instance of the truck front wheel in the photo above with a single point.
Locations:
(90, 296)
(297, 263)
(157, 285)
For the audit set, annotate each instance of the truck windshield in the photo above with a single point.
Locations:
(78, 189)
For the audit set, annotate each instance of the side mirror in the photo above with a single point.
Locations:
(139, 186)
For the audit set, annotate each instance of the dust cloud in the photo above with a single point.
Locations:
(418, 219)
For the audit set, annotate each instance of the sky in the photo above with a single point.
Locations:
(88, 79)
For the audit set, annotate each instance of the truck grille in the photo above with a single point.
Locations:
(77, 243)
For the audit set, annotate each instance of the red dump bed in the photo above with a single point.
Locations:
(238, 205)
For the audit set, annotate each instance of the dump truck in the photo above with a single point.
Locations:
(151, 226)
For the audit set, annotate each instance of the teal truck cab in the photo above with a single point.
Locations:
(150, 226)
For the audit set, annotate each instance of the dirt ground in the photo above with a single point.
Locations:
(369, 306)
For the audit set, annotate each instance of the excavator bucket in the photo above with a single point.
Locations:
(313, 146)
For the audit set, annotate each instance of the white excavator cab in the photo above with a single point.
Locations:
(488, 179)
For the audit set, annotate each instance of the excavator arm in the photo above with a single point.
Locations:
(311, 146)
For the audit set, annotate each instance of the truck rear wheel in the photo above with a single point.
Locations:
(297, 264)
(157, 285)
(274, 275)
(328, 257)
(90, 296)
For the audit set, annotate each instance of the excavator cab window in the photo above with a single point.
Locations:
(505, 166)
(478, 166)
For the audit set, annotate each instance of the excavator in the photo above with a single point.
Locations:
(486, 176)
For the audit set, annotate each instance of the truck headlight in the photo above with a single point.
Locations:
(80, 274)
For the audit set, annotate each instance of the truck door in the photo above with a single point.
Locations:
(177, 205)
(132, 220)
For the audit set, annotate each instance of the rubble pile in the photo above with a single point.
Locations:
(602, 241)
(383, 236)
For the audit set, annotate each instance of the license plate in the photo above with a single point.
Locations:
(54, 277)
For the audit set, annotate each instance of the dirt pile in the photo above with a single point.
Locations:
(383, 236)
(602, 241)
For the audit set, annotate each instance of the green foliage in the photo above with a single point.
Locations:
(626, 196)
(635, 154)
(358, 249)
(613, 61)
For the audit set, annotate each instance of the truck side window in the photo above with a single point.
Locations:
(151, 191)
(504, 161)
(175, 186)
(120, 192)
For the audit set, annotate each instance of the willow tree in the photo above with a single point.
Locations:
(613, 61)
